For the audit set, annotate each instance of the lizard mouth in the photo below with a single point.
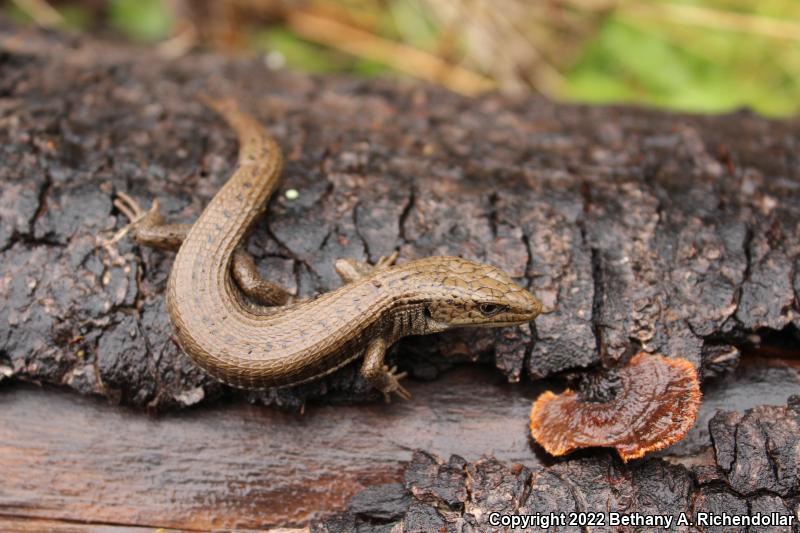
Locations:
(504, 324)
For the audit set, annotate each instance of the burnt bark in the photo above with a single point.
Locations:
(638, 229)
(753, 471)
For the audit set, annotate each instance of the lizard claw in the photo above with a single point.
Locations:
(128, 206)
(393, 378)
(135, 214)
(133, 211)
(386, 261)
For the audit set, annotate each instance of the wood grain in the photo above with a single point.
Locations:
(10, 524)
(78, 459)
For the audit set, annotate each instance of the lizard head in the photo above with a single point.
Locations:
(465, 293)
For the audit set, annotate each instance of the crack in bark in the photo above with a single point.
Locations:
(767, 451)
(493, 215)
(43, 193)
(598, 289)
(405, 212)
(597, 302)
(577, 497)
(526, 358)
(357, 230)
(289, 254)
(748, 255)
(32, 241)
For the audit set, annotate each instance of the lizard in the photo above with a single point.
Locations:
(252, 333)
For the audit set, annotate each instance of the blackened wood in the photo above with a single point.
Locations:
(458, 495)
(679, 234)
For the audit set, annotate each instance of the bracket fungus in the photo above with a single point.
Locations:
(644, 406)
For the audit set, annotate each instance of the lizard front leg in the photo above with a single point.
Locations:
(380, 376)
(351, 270)
(148, 228)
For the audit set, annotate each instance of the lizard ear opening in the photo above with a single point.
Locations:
(433, 324)
(645, 406)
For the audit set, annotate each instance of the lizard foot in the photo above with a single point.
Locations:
(351, 270)
(134, 212)
(392, 384)
(138, 218)
(386, 261)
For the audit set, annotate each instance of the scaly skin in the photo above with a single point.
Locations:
(256, 344)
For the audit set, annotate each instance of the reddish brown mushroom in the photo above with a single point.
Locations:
(645, 406)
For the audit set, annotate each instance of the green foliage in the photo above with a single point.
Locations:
(141, 20)
(298, 53)
(14, 13)
(74, 17)
(687, 68)
(303, 55)
(694, 55)
(408, 20)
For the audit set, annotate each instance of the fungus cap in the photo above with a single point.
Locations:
(654, 405)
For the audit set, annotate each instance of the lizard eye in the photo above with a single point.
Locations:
(488, 309)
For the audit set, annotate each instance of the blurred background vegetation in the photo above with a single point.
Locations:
(690, 55)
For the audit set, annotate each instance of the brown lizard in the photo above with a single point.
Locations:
(250, 333)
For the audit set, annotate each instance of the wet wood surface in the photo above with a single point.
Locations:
(75, 459)
(10, 524)
(638, 229)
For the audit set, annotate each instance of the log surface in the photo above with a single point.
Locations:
(74, 459)
(638, 229)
